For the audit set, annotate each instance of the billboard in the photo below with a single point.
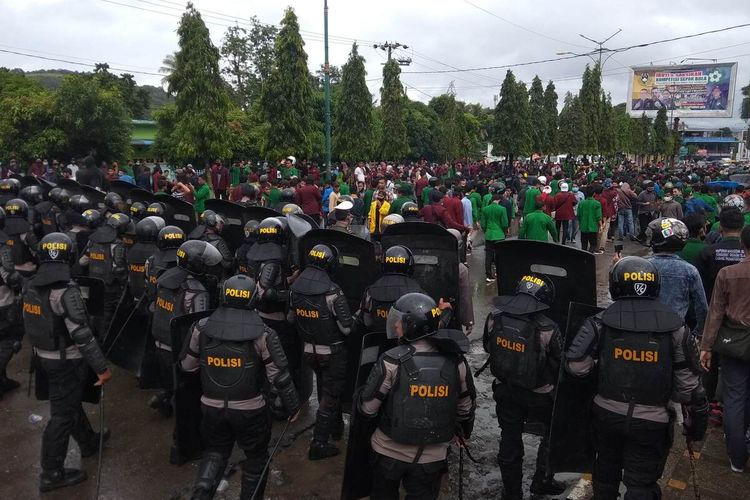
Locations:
(693, 90)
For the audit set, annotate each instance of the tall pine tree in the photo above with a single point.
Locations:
(201, 100)
(536, 113)
(352, 138)
(512, 134)
(661, 133)
(549, 139)
(393, 143)
(590, 98)
(286, 98)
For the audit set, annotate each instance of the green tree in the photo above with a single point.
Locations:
(93, 119)
(643, 136)
(201, 101)
(571, 134)
(591, 104)
(287, 95)
(352, 140)
(449, 139)
(393, 143)
(607, 141)
(536, 113)
(136, 99)
(622, 128)
(512, 134)
(549, 139)
(421, 126)
(661, 133)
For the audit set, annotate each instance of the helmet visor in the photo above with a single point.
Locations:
(394, 325)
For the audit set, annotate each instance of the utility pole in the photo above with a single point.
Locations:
(327, 91)
(389, 47)
(599, 50)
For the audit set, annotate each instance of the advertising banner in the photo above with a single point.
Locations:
(694, 90)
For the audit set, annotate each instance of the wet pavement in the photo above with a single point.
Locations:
(136, 463)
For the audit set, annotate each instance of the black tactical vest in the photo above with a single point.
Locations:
(635, 367)
(47, 214)
(314, 320)
(19, 250)
(100, 262)
(280, 285)
(231, 369)
(384, 293)
(137, 256)
(44, 328)
(169, 304)
(516, 355)
(421, 407)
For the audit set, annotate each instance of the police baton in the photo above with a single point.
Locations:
(270, 457)
(124, 324)
(483, 368)
(101, 441)
(460, 473)
(114, 314)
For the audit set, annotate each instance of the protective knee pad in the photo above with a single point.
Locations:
(209, 473)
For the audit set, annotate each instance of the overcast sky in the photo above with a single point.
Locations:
(441, 35)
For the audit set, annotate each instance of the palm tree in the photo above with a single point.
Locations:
(167, 68)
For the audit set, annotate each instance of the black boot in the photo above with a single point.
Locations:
(52, 480)
(322, 449)
(210, 473)
(542, 485)
(512, 478)
(338, 430)
(162, 403)
(92, 446)
(251, 482)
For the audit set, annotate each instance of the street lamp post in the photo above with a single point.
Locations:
(327, 91)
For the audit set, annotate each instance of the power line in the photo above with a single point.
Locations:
(524, 28)
(71, 57)
(77, 63)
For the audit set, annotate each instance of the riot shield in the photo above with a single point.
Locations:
(179, 213)
(74, 188)
(436, 257)
(373, 345)
(29, 180)
(187, 394)
(356, 271)
(233, 232)
(572, 271)
(259, 213)
(571, 441)
(141, 195)
(92, 291)
(299, 225)
(122, 188)
(357, 480)
(129, 336)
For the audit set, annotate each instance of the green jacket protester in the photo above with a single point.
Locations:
(589, 215)
(530, 200)
(494, 222)
(201, 194)
(692, 248)
(537, 226)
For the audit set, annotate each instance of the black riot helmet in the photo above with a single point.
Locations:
(2, 219)
(238, 292)
(410, 210)
(399, 260)
(213, 220)
(325, 257)
(412, 317)
(10, 186)
(59, 196)
(137, 210)
(56, 247)
(198, 257)
(156, 208)
(147, 230)
(286, 196)
(17, 208)
(92, 218)
(80, 203)
(32, 194)
(634, 277)
(113, 202)
(667, 234)
(251, 230)
(169, 237)
(538, 286)
(291, 208)
(270, 230)
(120, 222)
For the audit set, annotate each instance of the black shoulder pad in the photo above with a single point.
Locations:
(275, 349)
(75, 307)
(342, 311)
(269, 274)
(399, 354)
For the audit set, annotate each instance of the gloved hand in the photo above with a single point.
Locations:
(695, 420)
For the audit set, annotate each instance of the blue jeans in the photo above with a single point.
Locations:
(625, 223)
(736, 375)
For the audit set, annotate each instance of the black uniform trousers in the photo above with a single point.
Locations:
(421, 481)
(67, 418)
(516, 406)
(330, 376)
(250, 429)
(633, 451)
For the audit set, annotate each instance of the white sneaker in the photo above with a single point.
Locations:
(739, 470)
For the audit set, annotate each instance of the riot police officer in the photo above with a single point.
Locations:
(250, 231)
(645, 357)
(525, 349)
(113, 204)
(424, 392)
(234, 408)
(181, 290)
(168, 241)
(53, 218)
(146, 233)
(9, 189)
(105, 258)
(138, 211)
(34, 197)
(323, 319)
(11, 326)
(22, 240)
(212, 224)
(410, 212)
(395, 282)
(58, 326)
(79, 230)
